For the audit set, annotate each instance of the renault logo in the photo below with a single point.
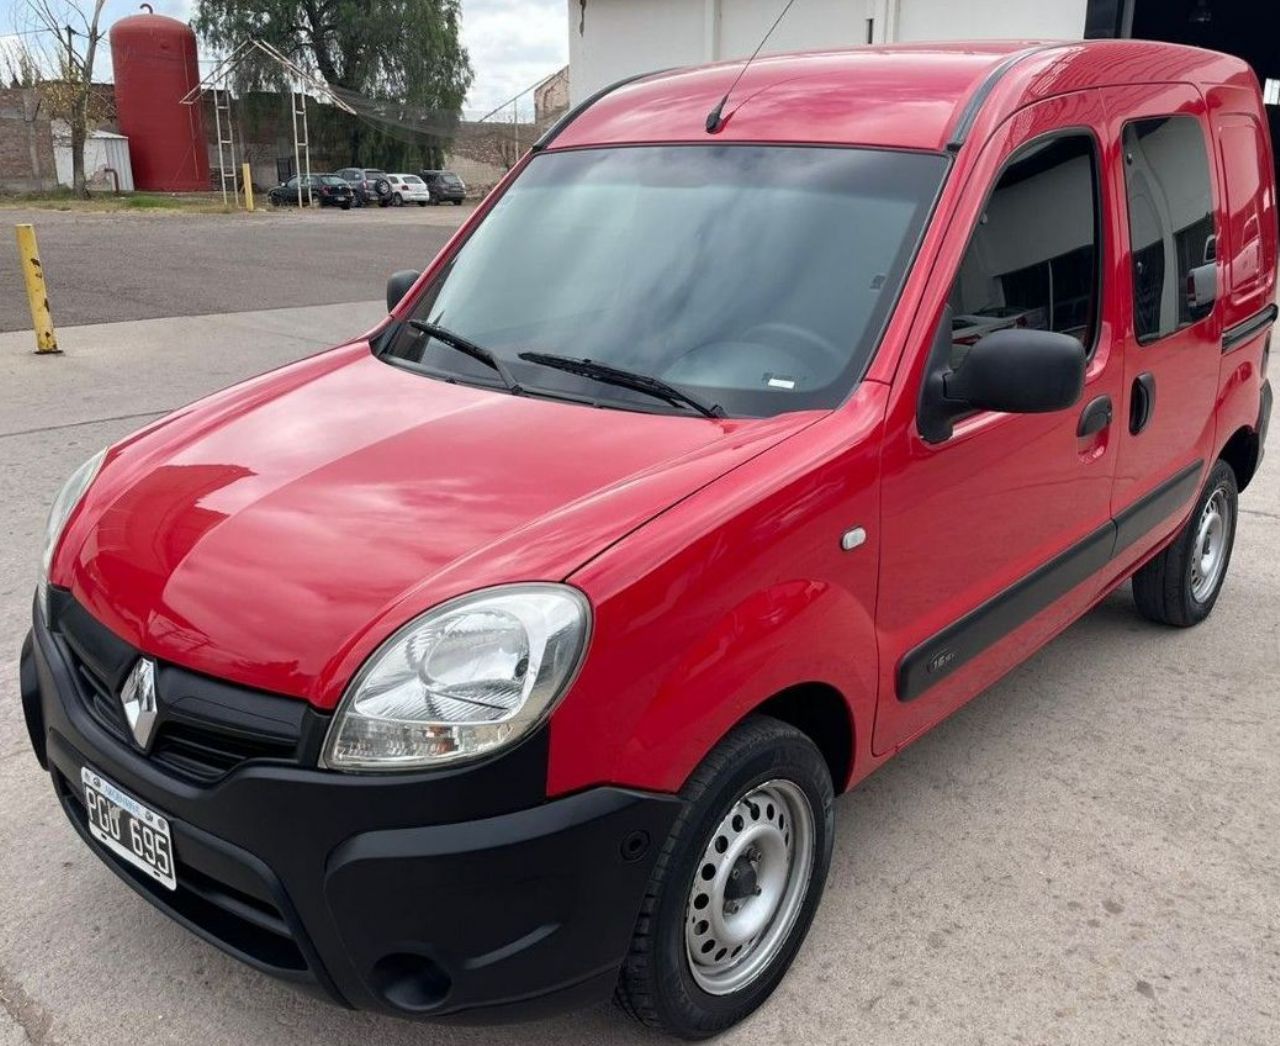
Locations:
(138, 696)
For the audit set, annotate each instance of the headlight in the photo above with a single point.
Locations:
(465, 679)
(68, 498)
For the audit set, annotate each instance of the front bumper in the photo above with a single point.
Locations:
(430, 895)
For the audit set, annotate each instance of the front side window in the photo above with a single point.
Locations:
(757, 278)
(1033, 259)
(1171, 226)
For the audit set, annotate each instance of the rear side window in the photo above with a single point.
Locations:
(1033, 259)
(1171, 227)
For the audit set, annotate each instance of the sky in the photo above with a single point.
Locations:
(513, 43)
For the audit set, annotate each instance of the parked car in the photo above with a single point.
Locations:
(510, 657)
(445, 187)
(408, 188)
(327, 190)
(369, 184)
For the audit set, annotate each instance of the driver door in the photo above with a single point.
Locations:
(991, 539)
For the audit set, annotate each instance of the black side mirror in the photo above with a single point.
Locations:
(398, 286)
(1016, 371)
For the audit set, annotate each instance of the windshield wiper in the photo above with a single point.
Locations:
(469, 348)
(626, 379)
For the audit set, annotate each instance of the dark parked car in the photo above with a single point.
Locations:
(445, 187)
(370, 185)
(328, 190)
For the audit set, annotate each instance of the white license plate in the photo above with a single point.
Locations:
(128, 829)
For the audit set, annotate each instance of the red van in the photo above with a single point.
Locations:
(509, 657)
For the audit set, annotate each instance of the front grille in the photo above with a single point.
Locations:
(205, 728)
(247, 924)
(208, 754)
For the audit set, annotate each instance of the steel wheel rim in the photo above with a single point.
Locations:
(1209, 553)
(749, 887)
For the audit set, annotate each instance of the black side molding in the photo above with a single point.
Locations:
(1235, 336)
(1150, 510)
(556, 128)
(974, 105)
(960, 642)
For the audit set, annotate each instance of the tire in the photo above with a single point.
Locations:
(457, 203)
(345, 205)
(422, 203)
(397, 200)
(1181, 585)
(735, 803)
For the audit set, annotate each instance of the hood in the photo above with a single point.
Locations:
(272, 535)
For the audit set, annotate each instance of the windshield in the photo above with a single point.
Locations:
(757, 278)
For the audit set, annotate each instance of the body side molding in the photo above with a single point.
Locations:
(1236, 335)
(966, 638)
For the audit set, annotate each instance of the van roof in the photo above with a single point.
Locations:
(921, 96)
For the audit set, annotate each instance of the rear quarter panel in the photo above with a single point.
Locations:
(1247, 246)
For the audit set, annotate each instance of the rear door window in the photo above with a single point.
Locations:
(1033, 259)
(1171, 224)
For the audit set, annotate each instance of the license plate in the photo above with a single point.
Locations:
(128, 829)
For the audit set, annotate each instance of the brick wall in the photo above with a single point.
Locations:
(26, 143)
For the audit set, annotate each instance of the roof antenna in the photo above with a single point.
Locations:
(715, 118)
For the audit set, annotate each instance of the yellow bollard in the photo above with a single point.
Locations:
(37, 293)
(248, 187)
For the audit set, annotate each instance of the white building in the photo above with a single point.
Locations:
(611, 39)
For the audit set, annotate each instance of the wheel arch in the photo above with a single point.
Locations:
(1241, 452)
(820, 712)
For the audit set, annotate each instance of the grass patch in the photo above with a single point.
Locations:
(62, 199)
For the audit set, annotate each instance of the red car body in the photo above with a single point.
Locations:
(273, 535)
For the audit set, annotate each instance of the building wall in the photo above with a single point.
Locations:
(610, 39)
(26, 143)
(989, 19)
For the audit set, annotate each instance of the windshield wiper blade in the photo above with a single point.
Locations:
(469, 348)
(626, 379)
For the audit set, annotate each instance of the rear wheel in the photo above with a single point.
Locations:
(735, 886)
(1181, 585)
(422, 203)
(397, 200)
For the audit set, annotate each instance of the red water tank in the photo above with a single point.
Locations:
(154, 59)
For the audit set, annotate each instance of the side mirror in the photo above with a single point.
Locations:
(1202, 289)
(398, 286)
(1015, 371)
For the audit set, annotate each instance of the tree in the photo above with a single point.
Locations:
(70, 95)
(409, 51)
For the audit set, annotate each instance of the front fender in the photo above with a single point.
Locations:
(734, 595)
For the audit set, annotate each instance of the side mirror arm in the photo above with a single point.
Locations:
(936, 411)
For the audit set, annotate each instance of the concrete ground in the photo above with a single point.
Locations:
(130, 266)
(1088, 853)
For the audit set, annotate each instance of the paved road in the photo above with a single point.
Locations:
(1086, 854)
(110, 267)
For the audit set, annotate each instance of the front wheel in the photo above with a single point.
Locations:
(736, 885)
(1181, 585)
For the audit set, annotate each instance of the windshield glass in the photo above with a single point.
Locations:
(754, 277)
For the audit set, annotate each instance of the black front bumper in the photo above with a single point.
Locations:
(455, 893)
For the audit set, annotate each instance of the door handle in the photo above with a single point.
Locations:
(1095, 417)
(1142, 402)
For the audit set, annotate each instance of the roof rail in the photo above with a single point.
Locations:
(556, 128)
(973, 106)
